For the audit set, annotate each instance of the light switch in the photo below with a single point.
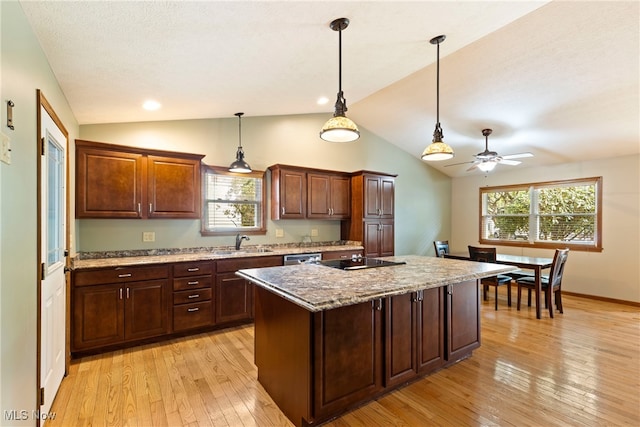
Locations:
(314, 232)
(5, 149)
(148, 236)
(279, 232)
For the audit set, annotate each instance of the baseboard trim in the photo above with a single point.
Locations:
(595, 297)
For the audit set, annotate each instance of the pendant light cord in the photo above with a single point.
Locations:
(340, 61)
(438, 86)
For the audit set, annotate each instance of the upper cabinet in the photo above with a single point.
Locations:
(302, 193)
(378, 197)
(114, 181)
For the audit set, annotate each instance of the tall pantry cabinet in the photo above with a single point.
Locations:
(372, 213)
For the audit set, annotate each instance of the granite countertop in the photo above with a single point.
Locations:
(161, 256)
(316, 287)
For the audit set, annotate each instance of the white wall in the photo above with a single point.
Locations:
(612, 273)
(422, 193)
(24, 69)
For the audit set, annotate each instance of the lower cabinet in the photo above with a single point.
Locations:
(234, 295)
(378, 237)
(193, 303)
(112, 306)
(414, 335)
(330, 361)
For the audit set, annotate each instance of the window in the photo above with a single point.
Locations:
(546, 214)
(233, 202)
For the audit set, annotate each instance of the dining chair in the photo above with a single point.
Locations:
(489, 255)
(550, 284)
(442, 247)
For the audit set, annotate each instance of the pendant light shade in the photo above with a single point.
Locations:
(339, 128)
(240, 165)
(437, 150)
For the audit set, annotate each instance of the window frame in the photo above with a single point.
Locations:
(262, 229)
(596, 246)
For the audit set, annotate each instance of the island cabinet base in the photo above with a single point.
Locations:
(318, 365)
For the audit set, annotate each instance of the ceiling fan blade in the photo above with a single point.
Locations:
(504, 161)
(456, 164)
(473, 167)
(517, 156)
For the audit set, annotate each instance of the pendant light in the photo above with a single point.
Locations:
(437, 150)
(339, 128)
(240, 165)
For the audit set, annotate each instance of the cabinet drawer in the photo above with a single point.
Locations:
(189, 316)
(233, 265)
(341, 254)
(189, 283)
(193, 268)
(119, 275)
(196, 295)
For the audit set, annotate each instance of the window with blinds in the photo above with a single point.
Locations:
(233, 202)
(547, 214)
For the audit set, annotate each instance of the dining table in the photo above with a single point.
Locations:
(536, 264)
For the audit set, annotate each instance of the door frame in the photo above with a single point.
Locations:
(41, 102)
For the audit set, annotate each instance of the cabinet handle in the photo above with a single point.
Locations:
(191, 310)
(194, 296)
(120, 293)
(193, 283)
(124, 275)
(420, 295)
(150, 207)
(127, 293)
(193, 269)
(379, 212)
(379, 306)
(282, 210)
(139, 209)
(415, 298)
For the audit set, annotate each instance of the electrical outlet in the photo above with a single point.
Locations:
(5, 149)
(148, 236)
(314, 232)
(279, 232)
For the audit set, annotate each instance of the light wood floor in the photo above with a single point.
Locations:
(581, 368)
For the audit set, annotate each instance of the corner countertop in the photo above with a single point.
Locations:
(316, 287)
(140, 257)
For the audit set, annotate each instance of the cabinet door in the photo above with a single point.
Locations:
(430, 330)
(386, 238)
(347, 356)
(234, 298)
(371, 238)
(146, 309)
(387, 197)
(340, 197)
(173, 187)
(318, 196)
(400, 343)
(109, 184)
(293, 194)
(98, 316)
(463, 312)
(372, 192)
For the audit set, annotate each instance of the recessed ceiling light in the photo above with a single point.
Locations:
(151, 105)
(323, 100)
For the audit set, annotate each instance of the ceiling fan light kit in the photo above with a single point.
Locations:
(339, 128)
(437, 150)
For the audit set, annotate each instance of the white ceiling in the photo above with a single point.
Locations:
(559, 79)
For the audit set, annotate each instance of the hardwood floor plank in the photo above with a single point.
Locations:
(579, 368)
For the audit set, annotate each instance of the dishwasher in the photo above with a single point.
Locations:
(295, 259)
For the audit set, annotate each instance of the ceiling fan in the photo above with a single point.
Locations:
(487, 160)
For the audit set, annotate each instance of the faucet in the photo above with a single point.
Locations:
(239, 240)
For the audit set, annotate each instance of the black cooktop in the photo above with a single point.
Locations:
(359, 263)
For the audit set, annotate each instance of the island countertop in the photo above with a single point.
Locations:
(316, 287)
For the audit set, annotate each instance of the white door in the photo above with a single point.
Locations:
(53, 242)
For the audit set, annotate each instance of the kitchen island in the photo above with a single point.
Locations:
(328, 340)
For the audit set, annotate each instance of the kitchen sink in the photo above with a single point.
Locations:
(242, 251)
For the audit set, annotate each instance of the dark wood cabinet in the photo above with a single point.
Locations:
(328, 196)
(288, 193)
(114, 181)
(193, 301)
(414, 335)
(233, 294)
(115, 305)
(372, 213)
(348, 356)
(463, 319)
(341, 254)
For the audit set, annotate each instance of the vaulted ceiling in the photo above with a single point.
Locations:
(557, 79)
